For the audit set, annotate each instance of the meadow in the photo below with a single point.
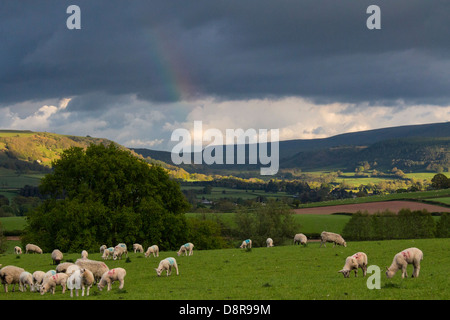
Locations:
(278, 273)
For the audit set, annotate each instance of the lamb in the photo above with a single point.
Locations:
(48, 274)
(87, 280)
(17, 250)
(74, 282)
(331, 237)
(108, 252)
(98, 268)
(300, 238)
(62, 267)
(51, 282)
(38, 278)
(32, 248)
(185, 248)
(153, 249)
(402, 259)
(118, 252)
(358, 260)
(10, 275)
(116, 274)
(102, 248)
(167, 264)
(71, 269)
(57, 256)
(26, 279)
(124, 246)
(84, 254)
(269, 242)
(246, 244)
(137, 247)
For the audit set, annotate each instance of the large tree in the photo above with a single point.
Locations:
(105, 195)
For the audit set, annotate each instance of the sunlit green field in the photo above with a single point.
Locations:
(278, 273)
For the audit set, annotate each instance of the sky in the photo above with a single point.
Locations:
(138, 70)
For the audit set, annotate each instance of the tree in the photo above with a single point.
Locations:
(440, 181)
(105, 195)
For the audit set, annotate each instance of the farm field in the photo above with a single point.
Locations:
(278, 273)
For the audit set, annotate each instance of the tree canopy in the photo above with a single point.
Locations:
(105, 195)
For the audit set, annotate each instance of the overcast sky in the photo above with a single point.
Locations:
(137, 70)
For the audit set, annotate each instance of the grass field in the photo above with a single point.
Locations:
(278, 273)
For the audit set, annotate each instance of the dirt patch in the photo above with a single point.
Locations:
(373, 207)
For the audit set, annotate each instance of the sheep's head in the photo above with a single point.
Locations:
(158, 271)
(389, 273)
(346, 273)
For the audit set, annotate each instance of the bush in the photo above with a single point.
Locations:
(443, 226)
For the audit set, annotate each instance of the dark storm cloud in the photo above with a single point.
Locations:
(169, 50)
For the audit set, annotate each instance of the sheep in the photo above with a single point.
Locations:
(71, 269)
(185, 248)
(98, 268)
(300, 238)
(331, 237)
(87, 280)
(137, 247)
(17, 250)
(32, 248)
(57, 256)
(38, 278)
(51, 282)
(167, 264)
(118, 252)
(116, 274)
(74, 282)
(108, 252)
(269, 242)
(358, 260)
(402, 259)
(48, 274)
(84, 254)
(10, 275)
(26, 279)
(124, 246)
(102, 248)
(153, 249)
(62, 267)
(246, 244)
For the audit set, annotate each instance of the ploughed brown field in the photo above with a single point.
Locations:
(373, 207)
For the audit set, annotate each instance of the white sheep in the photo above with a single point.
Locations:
(49, 273)
(10, 275)
(72, 268)
(57, 256)
(51, 282)
(137, 247)
(108, 252)
(185, 248)
(74, 282)
(98, 268)
(17, 250)
(402, 259)
(87, 280)
(26, 280)
(38, 278)
(246, 244)
(167, 264)
(358, 260)
(84, 254)
(118, 252)
(269, 242)
(32, 248)
(102, 248)
(124, 246)
(153, 249)
(300, 238)
(116, 274)
(331, 237)
(62, 267)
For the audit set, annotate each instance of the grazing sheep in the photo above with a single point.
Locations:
(51, 282)
(32, 248)
(167, 264)
(84, 254)
(38, 278)
(10, 275)
(74, 282)
(331, 237)
(62, 267)
(185, 248)
(26, 279)
(108, 252)
(87, 280)
(98, 268)
(358, 260)
(102, 248)
(246, 244)
(118, 252)
(269, 242)
(124, 246)
(17, 250)
(300, 238)
(116, 274)
(57, 256)
(402, 259)
(71, 269)
(48, 274)
(137, 247)
(153, 249)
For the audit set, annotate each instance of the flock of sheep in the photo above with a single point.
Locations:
(85, 272)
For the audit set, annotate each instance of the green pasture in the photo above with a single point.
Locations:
(278, 273)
